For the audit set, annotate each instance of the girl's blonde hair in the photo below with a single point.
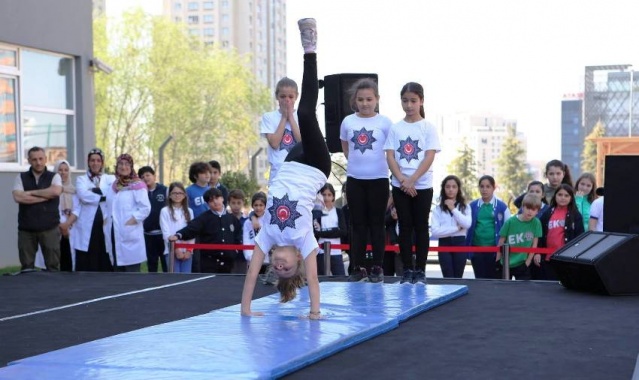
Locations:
(285, 82)
(288, 286)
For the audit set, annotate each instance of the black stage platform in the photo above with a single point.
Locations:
(500, 330)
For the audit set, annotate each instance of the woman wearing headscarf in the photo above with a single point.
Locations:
(89, 242)
(69, 209)
(127, 207)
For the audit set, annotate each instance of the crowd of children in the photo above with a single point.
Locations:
(120, 217)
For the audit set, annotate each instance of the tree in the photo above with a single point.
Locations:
(512, 172)
(167, 83)
(239, 180)
(464, 167)
(589, 154)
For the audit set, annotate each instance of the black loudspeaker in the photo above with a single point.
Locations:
(337, 105)
(621, 203)
(600, 262)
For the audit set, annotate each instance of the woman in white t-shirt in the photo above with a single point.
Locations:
(410, 150)
(363, 136)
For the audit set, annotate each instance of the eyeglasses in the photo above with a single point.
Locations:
(178, 193)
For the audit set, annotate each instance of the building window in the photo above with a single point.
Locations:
(8, 57)
(207, 5)
(225, 3)
(177, 6)
(209, 32)
(193, 20)
(193, 6)
(30, 116)
(225, 17)
(207, 19)
(8, 120)
(194, 32)
(225, 32)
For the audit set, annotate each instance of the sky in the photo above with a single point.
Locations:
(510, 58)
(514, 59)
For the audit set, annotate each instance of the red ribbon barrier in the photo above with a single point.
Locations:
(389, 248)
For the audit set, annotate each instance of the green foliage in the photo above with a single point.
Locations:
(9, 270)
(512, 172)
(167, 83)
(239, 180)
(464, 167)
(589, 154)
(338, 168)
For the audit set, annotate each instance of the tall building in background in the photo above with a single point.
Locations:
(572, 132)
(256, 29)
(485, 134)
(610, 99)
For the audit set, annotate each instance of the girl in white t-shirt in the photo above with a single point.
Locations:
(288, 234)
(329, 225)
(173, 217)
(363, 136)
(280, 127)
(410, 150)
(251, 229)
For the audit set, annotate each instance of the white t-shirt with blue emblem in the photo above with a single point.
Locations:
(288, 220)
(366, 137)
(409, 142)
(269, 123)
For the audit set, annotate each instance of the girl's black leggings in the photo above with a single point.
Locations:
(312, 150)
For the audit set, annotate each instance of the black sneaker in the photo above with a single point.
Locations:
(407, 277)
(419, 276)
(377, 274)
(358, 275)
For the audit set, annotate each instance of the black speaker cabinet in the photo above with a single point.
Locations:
(337, 105)
(621, 204)
(600, 262)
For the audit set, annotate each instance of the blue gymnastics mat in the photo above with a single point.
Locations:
(223, 344)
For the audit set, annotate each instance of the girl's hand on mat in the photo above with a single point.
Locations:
(312, 315)
(252, 313)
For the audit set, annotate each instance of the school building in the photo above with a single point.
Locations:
(46, 94)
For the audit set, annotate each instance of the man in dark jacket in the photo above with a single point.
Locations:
(37, 192)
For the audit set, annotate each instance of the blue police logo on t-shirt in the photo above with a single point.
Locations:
(409, 149)
(288, 141)
(284, 212)
(363, 140)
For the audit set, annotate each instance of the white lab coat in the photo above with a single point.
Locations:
(89, 203)
(129, 239)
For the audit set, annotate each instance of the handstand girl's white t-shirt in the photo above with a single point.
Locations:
(288, 219)
(366, 137)
(269, 123)
(409, 142)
